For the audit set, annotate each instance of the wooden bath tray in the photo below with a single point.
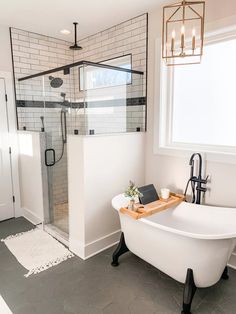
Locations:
(154, 207)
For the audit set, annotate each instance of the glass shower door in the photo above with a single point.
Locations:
(58, 97)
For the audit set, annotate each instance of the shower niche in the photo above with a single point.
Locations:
(80, 99)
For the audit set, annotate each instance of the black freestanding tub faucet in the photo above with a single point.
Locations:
(196, 180)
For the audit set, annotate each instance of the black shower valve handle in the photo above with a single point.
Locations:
(197, 180)
(204, 181)
(201, 189)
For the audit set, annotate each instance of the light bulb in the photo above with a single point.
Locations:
(182, 37)
(65, 31)
(172, 42)
(193, 40)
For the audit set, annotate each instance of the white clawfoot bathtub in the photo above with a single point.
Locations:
(186, 236)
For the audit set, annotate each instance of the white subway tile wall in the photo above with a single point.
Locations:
(33, 53)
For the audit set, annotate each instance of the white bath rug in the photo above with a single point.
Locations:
(36, 250)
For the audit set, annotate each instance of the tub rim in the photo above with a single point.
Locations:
(201, 236)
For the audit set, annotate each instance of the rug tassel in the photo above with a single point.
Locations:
(17, 235)
(49, 265)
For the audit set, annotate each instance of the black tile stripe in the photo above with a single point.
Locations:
(138, 101)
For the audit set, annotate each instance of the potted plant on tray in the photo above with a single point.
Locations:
(132, 193)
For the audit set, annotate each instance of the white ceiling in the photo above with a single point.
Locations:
(48, 17)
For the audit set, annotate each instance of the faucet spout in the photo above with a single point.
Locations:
(191, 161)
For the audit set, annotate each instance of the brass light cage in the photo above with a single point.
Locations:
(183, 32)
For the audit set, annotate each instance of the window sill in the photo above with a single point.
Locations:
(212, 156)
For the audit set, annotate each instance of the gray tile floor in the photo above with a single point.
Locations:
(94, 287)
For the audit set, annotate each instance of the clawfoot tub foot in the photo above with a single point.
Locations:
(189, 291)
(225, 275)
(121, 249)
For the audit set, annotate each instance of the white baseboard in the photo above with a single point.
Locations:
(18, 211)
(77, 248)
(29, 215)
(231, 266)
(90, 249)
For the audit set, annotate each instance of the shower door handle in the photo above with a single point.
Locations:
(50, 164)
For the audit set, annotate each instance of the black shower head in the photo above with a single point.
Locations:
(75, 46)
(55, 82)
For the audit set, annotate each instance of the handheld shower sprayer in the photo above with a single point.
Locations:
(63, 95)
(42, 122)
(65, 102)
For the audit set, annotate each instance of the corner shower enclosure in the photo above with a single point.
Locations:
(83, 98)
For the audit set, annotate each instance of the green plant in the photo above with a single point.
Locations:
(132, 191)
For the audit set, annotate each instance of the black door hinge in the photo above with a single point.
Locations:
(9, 150)
(6, 97)
(13, 198)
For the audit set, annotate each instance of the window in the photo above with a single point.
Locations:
(95, 77)
(199, 110)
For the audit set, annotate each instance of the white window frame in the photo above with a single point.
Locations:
(163, 102)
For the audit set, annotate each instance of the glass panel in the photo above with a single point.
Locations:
(30, 104)
(97, 77)
(114, 99)
(136, 104)
(58, 96)
(78, 123)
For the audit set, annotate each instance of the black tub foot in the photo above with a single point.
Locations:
(121, 249)
(189, 291)
(225, 275)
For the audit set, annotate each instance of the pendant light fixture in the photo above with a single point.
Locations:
(183, 32)
(75, 46)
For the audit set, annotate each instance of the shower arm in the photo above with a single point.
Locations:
(75, 27)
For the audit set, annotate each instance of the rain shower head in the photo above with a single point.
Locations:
(75, 46)
(55, 82)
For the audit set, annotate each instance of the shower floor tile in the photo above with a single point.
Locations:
(61, 216)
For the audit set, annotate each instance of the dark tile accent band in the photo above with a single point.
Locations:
(138, 101)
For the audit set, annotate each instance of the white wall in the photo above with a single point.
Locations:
(173, 171)
(100, 167)
(5, 50)
(31, 176)
(7, 73)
